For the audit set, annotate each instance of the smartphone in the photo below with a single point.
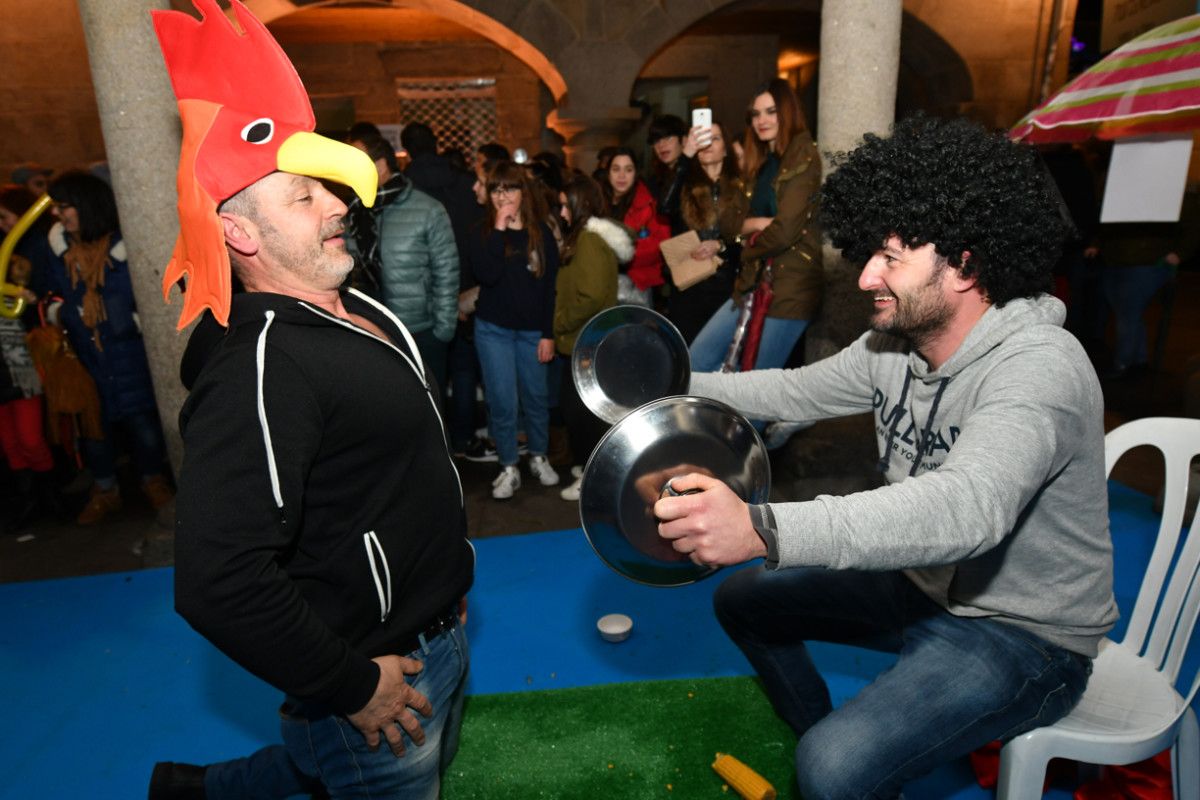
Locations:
(702, 118)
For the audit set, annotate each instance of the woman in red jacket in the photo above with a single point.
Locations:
(632, 203)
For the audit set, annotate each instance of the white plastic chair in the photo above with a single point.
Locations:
(1131, 710)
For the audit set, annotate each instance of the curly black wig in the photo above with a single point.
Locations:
(951, 183)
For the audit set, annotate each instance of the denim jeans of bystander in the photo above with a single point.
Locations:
(711, 344)
(512, 374)
(145, 434)
(1129, 291)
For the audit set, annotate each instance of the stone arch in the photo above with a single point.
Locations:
(933, 75)
(482, 23)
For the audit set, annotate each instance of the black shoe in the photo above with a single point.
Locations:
(479, 450)
(171, 781)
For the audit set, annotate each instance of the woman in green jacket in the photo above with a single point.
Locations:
(782, 173)
(586, 285)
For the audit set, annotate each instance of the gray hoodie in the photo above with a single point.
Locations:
(1004, 512)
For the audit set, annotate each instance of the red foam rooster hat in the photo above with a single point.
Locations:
(245, 115)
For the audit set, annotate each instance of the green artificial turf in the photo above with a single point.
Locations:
(655, 739)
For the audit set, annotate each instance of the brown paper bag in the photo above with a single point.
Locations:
(685, 270)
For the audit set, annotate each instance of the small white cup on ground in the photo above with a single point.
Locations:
(614, 627)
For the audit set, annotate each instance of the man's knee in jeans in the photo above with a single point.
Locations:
(734, 600)
(756, 595)
(828, 769)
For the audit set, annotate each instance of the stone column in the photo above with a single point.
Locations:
(860, 63)
(141, 138)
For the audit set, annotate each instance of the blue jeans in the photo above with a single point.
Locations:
(328, 750)
(149, 449)
(510, 369)
(1129, 290)
(958, 683)
(712, 342)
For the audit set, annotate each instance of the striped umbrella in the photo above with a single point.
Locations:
(1148, 85)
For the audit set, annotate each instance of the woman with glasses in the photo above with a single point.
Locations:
(632, 203)
(781, 239)
(91, 275)
(516, 262)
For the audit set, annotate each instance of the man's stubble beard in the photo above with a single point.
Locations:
(318, 267)
(920, 315)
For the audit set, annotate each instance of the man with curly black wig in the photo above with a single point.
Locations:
(985, 561)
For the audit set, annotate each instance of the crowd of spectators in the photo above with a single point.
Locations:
(494, 261)
(76, 387)
(542, 248)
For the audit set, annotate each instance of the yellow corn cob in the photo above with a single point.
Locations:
(745, 781)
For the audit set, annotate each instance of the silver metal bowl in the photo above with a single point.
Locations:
(631, 465)
(626, 356)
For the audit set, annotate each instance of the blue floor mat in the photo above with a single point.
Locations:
(101, 678)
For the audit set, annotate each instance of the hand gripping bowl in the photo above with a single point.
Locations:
(631, 465)
(626, 356)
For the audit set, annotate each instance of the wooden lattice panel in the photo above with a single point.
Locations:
(461, 111)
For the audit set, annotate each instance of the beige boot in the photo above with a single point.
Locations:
(100, 505)
(157, 491)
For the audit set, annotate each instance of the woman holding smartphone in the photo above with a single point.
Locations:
(780, 236)
(707, 197)
(516, 263)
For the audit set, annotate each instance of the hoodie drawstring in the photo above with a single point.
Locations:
(887, 447)
(924, 438)
(924, 435)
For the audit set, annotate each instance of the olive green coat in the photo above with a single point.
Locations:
(793, 239)
(587, 283)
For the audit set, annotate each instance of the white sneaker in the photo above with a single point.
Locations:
(507, 482)
(571, 493)
(541, 469)
(577, 471)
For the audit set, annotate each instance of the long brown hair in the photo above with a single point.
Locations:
(584, 201)
(791, 123)
(620, 206)
(696, 202)
(506, 174)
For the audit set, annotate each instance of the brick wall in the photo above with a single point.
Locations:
(365, 72)
(47, 106)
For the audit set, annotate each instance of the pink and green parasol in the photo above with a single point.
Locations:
(1148, 85)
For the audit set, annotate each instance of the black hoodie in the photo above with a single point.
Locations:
(320, 520)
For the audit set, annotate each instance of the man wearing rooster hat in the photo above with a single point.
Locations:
(320, 527)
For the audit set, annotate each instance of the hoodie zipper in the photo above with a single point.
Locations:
(419, 370)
